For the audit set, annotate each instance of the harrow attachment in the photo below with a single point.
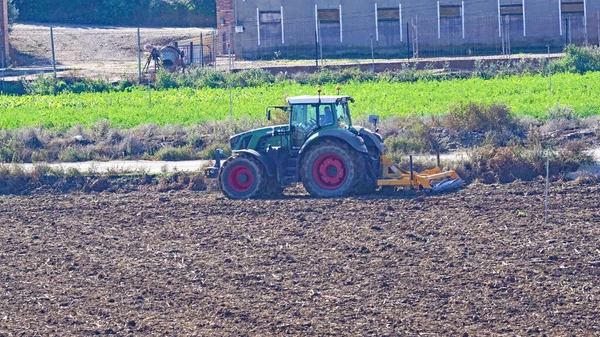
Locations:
(433, 180)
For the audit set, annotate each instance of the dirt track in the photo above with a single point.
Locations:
(476, 262)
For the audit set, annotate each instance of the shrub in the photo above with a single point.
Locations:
(175, 154)
(210, 151)
(578, 60)
(166, 80)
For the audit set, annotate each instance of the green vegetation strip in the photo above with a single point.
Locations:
(524, 95)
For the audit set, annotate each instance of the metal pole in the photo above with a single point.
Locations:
(317, 50)
(407, 41)
(438, 21)
(321, 45)
(139, 38)
(524, 19)
(560, 17)
(230, 88)
(462, 14)
(372, 53)
(191, 58)
(567, 39)
(500, 21)
(229, 56)
(3, 66)
(201, 50)
(549, 69)
(149, 91)
(214, 51)
(53, 55)
(547, 188)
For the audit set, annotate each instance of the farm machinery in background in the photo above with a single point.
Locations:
(322, 149)
(169, 58)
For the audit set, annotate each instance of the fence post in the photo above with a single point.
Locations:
(547, 188)
(53, 55)
(407, 41)
(372, 53)
(191, 52)
(598, 24)
(317, 50)
(201, 51)
(139, 39)
(214, 51)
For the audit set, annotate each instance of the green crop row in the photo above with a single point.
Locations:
(524, 95)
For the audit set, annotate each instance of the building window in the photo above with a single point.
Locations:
(512, 21)
(511, 10)
(572, 7)
(270, 28)
(329, 25)
(329, 15)
(270, 17)
(388, 22)
(449, 11)
(450, 21)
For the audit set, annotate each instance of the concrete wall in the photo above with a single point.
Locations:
(4, 46)
(482, 29)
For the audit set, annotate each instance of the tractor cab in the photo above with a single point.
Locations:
(312, 114)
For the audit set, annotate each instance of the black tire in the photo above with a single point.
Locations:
(329, 170)
(242, 177)
(367, 182)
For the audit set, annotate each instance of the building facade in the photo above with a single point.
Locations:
(399, 28)
(4, 46)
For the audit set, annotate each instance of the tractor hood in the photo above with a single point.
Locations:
(241, 141)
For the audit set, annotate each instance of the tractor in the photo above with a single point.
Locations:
(320, 148)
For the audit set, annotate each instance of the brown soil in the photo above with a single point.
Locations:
(476, 262)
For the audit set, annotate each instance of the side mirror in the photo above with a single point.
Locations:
(268, 114)
(374, 119)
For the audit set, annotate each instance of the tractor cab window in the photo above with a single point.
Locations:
(326, 117)
(343, 115)
(303, 122)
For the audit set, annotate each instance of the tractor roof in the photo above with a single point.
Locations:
(315, 99)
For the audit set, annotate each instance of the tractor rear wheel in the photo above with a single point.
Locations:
(242, 177)
(330, 170)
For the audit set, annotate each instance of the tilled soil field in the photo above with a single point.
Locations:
(479, 261)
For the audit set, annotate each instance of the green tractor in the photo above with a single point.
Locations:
(320, 148)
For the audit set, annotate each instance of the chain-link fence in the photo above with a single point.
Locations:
(409, 37)
(111, 53)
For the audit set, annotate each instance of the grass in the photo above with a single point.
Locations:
(524, 95)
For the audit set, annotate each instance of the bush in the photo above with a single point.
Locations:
(210, 151)
(578, 60)
(175, 154)
(166, 80)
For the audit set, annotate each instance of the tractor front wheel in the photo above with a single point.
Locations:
(329, 170)
(242, 177)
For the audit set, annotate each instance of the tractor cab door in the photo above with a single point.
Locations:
(303, 122)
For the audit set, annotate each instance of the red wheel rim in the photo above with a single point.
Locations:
(329, 171)
(240, 178)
